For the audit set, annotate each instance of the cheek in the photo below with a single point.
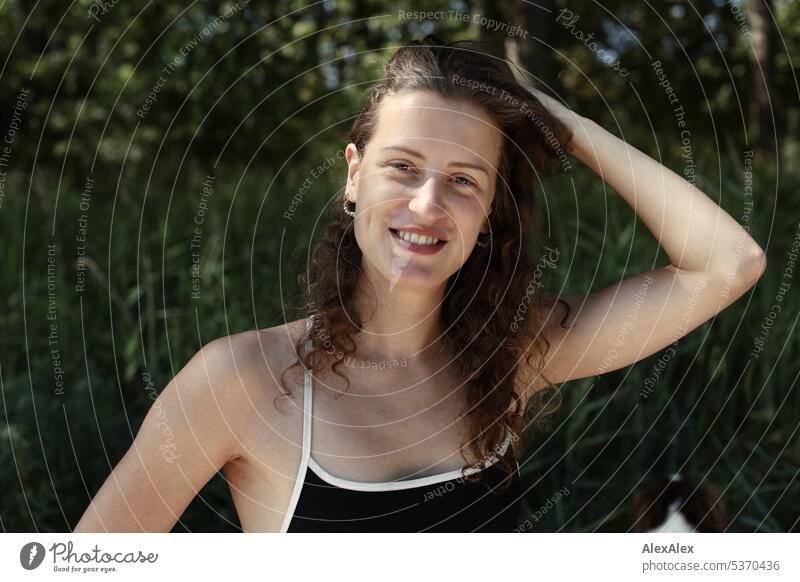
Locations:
(470, 214)
(369, 226)
(378, 199)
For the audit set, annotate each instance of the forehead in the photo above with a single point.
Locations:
(436, 125)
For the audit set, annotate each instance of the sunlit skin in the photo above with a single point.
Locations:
(432, 163)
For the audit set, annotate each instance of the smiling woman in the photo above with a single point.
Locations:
(429, 258)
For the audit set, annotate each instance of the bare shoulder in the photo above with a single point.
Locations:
(253, 353)
(252, 364)
(217, 412)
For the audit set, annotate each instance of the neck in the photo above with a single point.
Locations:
(398, 321)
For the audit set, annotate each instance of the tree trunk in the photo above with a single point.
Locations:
(762, 103)
(491, 35)
(535, 51)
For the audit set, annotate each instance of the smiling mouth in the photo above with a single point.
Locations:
(417, 243)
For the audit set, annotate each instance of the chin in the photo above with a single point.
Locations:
(399, 274)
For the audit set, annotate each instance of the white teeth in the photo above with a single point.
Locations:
(416, 239)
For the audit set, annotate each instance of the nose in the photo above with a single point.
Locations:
(426, 203)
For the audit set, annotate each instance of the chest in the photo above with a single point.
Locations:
(383, 427)
(390, 426)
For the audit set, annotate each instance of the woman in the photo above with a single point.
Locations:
(427, 340)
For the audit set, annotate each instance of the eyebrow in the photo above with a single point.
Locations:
(419, 155)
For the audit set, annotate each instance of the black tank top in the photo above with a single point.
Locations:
(322, 502)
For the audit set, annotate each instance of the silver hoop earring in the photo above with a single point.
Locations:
(347, 210)
(483, 240)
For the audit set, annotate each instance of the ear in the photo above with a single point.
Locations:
(353, 161)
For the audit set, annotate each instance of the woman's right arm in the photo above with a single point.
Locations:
(187, 436)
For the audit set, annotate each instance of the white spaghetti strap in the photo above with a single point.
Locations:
(308, 396)
(301, 471)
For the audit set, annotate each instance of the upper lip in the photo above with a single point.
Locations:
(422, 231)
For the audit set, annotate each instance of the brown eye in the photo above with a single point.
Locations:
(466, 181)
(399, 166)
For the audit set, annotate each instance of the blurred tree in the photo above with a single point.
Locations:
(256, 80)
(488, 12)
(535, 51)
(763, 112)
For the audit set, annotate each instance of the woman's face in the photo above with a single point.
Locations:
(428, 172)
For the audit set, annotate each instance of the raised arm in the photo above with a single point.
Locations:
(713, 261)
(188, 434)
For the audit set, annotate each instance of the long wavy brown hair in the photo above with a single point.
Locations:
(485, 297)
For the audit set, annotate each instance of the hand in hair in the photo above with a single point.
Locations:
(567, 116)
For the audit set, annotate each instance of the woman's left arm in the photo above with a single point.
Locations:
(713, 261)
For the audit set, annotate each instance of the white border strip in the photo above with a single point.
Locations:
(397, 485)
(301, 471)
